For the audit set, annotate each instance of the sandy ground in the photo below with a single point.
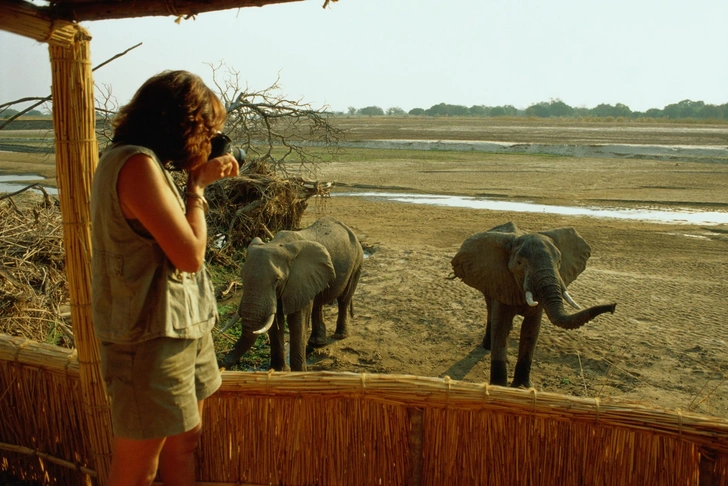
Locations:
(666, 344)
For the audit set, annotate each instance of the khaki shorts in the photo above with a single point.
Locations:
(155, 385)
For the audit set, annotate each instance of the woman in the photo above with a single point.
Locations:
(153, 301)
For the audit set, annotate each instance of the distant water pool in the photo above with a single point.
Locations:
(13, 183)
(682, 216)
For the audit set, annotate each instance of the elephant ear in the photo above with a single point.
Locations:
(310, 272)
(575, 251)
(482, 263)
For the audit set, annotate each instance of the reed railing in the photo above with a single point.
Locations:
(361, 429)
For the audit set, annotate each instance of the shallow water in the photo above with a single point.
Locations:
(13, 183)
(681, 216)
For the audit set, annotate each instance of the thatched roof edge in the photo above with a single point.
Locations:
(25, 19)
(85, 10)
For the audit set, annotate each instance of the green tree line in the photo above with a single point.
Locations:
(8, 112)
(686, 109)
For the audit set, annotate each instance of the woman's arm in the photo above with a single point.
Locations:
(145, 195)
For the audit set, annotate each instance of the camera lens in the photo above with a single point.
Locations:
(239, 154)
(221, 145)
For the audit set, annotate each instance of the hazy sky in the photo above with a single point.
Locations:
(417, 53)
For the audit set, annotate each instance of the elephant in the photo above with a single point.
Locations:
(523, 273)
(290, 279)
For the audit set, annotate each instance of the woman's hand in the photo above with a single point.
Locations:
(211, 171)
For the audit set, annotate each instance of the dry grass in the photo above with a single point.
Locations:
(33, 286)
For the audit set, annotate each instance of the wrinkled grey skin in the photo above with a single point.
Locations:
(292, 277)
(524, 274)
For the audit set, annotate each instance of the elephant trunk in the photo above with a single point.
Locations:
(251, 329)
(234, 319)
(556, 314)
(242, 346)
(551, 295)
(248, 336)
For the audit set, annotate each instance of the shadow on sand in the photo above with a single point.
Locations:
(460, 369)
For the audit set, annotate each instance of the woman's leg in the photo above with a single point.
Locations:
(177, 459)
(134, 462)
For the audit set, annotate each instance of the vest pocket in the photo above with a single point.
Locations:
(192, 299)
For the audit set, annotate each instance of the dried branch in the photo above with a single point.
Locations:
(21, 100)
(49, 97)
(116, 56)
(273, 129)
(33, 283)
(106, 108)
(20, 191)
(26, 110)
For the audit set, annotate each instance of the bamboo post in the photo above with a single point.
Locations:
(74, 122)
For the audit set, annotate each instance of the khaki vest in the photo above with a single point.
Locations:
(137, 294)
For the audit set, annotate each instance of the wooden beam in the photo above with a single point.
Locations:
(25, 19)
(115, 9)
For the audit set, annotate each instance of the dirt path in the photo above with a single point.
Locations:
(666, 345)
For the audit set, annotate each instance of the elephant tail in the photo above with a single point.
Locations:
(351, 308)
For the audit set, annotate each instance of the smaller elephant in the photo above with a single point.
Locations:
(522, 273)
(291, 279)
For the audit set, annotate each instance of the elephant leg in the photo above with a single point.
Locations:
(501, 317)
(298, 324)
(526, 346)
(342, 319)
(318, 327)
(277, 335)
(487, 339)
(346, 307)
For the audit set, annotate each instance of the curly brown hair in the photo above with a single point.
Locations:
(174, 114)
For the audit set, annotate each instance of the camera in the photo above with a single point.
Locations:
(221, 145)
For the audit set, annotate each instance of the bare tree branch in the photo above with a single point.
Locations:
(21, 100)
(49, 97)
(106, 106)
(115, 57)
(23, 112)
(20, 191)
(273, 129)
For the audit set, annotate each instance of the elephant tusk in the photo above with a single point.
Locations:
(529, 299)
(230, 323)
(571, 302)
(267, 325)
